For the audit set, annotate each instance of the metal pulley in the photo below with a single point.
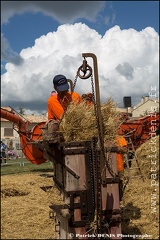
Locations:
(86, 69)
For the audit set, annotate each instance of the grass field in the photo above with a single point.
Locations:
(25, 204)
(22, 165)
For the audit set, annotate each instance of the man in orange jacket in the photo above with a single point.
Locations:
(59, 102)
(121, 143)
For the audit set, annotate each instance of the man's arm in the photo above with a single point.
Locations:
(76, 97)
(50, 112)
(55, 109)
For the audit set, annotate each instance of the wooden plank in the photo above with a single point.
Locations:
(77, 164)
(110, 197)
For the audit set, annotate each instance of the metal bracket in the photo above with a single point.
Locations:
(112, 215)
(61, 210)
(85, 206)
(111, 212)
(75, 151)
(67, 210)
(111, 180)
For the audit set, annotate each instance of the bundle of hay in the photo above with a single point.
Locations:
(111, 119)
(136, 207)
(25, 206)
(148, 157)
(140, 198)
(79, 122)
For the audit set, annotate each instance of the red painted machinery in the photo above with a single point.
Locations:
(140, 129)
(27, 137)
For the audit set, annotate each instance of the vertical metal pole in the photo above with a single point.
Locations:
(93, 56)
(101, 164)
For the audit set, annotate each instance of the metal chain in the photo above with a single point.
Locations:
(96, 112)
(75, 81)
(97, 174)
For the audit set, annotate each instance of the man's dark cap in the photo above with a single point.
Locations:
(60, 82)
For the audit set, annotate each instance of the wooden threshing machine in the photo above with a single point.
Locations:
(84, 172)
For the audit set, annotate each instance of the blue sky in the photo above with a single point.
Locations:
(25, 22)
(22, 30)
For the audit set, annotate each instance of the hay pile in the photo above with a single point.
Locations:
(140, 202)
(79, 121)
(138, 216)
(25, 207)
(148, 155)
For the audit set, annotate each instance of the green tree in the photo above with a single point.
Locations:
(21, 110)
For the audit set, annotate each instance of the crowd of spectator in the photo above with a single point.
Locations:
(6, 153)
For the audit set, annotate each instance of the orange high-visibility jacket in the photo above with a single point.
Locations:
(120, 142)
(56, 106)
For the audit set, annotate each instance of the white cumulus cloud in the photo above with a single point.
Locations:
(128, 62)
